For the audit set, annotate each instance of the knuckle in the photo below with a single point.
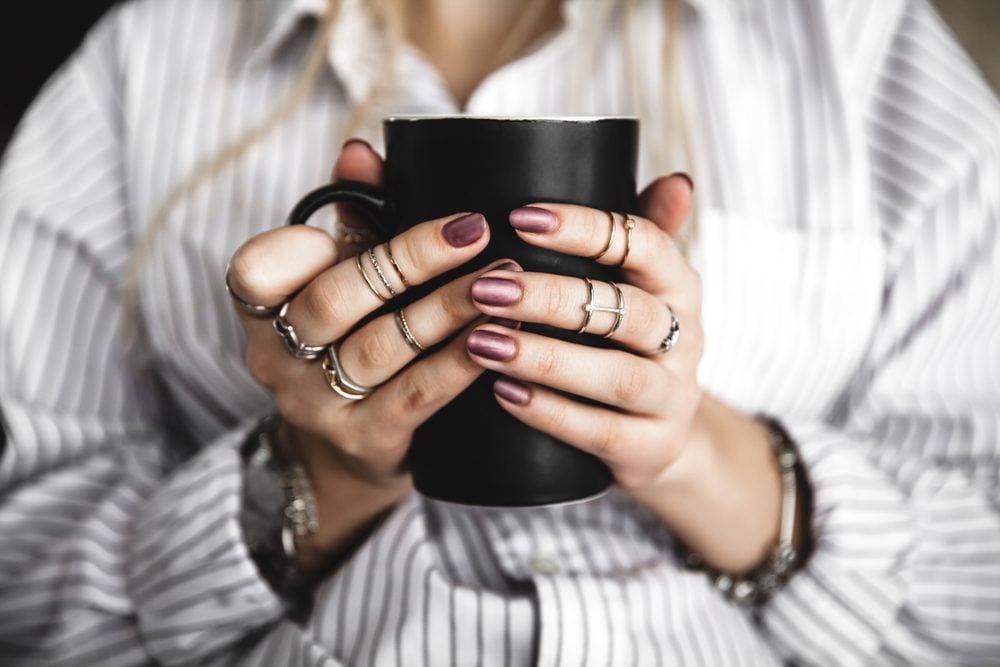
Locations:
(646, 313)
(557, 300)
(250, 268)
(375, 349)
(630, 382)
(411, 255)
(322, 300)
(547, 361)
(415, 393)
(291, 407)
(607, 442)
(456, 306)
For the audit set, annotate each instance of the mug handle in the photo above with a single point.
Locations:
(370, 199)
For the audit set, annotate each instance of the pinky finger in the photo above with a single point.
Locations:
(628, 444)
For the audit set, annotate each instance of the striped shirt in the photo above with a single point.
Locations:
(848, 167)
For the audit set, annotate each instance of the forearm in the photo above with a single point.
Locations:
(722, 497)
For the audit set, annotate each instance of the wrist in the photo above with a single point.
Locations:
(349, 502)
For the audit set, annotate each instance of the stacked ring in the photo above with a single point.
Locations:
(295, 347)
(404, 328)
(338, 381)
(590, 308)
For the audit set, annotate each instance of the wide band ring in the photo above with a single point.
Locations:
(590, 308)
(295, 347)
(249, 308)
(338, 381)
(404, 328)
(670, 339)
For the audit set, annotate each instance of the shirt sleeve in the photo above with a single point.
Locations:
(112, 553)
(905, 475)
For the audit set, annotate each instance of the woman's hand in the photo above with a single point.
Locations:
(649, 398)
(358, 443)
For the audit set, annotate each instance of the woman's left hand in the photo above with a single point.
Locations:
(649, 398)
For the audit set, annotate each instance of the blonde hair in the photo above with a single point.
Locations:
(391, 15)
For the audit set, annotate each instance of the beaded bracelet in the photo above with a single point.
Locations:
(763, 582)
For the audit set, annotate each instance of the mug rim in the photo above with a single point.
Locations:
(396, 118)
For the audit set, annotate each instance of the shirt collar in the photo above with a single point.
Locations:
(356, 41)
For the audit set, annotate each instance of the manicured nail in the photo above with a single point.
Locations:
(465, 230)
(687, 177)
(356, 140)
(512, 391)
(533, 219)
(496, 291)
(492, 345)
(509, 265)
(505, 322)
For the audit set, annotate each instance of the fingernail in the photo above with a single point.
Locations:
(512, 391)
(491, 345)
(465, 230)
(355, 140)
(533, 219)
(505, 322)
(496, 291)
(509, 265)
(687, 177)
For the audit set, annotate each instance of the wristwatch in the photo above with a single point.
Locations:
(265, 517)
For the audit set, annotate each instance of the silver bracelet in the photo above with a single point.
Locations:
(762, 583)
(300, 509)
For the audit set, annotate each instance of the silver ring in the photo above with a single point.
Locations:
(295, 347)
(371, 286)
(338, 381)
(250, 308)
(670, 339)
(590, 308)
(404, 328)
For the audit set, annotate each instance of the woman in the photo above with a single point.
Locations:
(847, 158)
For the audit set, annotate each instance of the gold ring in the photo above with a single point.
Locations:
(404, 329)
(611, 239)
(361, 270)
(378, 270)
(629, 225)
(392, 262)
(338, 381)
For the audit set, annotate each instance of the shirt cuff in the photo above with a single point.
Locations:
(840, 607)
(195, 588)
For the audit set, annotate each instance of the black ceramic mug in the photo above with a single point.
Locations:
(472, 451)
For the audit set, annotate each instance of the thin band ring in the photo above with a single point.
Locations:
(670, 339)
(371, 286)
(404, 328)
(378, 270)
(295, 347)
(611, 238)
(395, 267)
(629, 225)
(249, 308)
(590, 308)
(338, 381)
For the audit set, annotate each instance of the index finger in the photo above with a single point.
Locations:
(648, 256)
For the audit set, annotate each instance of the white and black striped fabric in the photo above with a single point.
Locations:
(848, 164)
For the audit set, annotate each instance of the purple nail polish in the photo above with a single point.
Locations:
(512, 391)
(509, 265)
(533, 219)
(496, 291)
(465, 230)
(505, 322)
(492, 345)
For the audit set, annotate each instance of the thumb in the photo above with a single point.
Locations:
(667, 201)
(359, 162)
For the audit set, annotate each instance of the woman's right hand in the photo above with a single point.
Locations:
(358, 446)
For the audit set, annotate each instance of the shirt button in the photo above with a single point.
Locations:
(543, 567)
